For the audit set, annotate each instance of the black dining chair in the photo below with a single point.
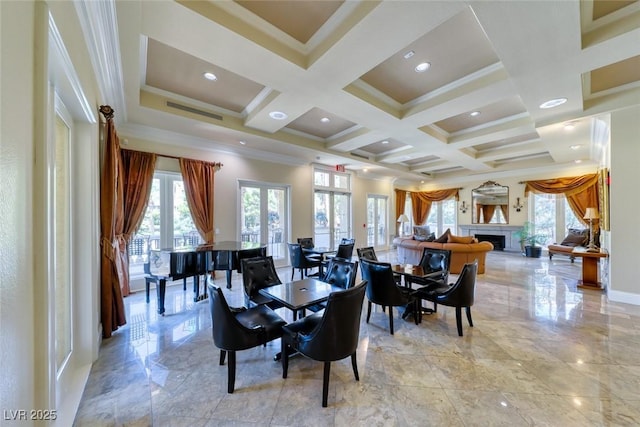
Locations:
(259, 273)
(328, 336)
(346, 241)
(236, 329)
(306, 242)
(298, 260)
(460, 294)
(436, 264)
(250, 253)
(345, 251)
(383, 290)
(341, 273)
(369, 253)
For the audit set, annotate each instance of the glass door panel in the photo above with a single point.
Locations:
(377, 220)
(184, 230)
(322, 214)
(263, 218)
(341, 218)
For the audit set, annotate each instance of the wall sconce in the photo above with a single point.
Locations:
(518, 206)
(464, 207)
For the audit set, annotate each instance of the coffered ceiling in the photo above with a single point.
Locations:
(341, 79)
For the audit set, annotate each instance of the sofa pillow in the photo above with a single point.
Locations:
(430, 238)
(576, 237)
(420, 231)
(444, 238)
(460, 239)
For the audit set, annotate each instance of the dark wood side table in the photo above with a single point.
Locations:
(590, 267)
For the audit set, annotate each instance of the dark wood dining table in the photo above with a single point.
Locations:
(299, 294)
(409, 272)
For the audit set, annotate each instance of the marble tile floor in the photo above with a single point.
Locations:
(541, 353)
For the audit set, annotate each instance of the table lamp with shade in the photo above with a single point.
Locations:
(402, 219)
(591, 214)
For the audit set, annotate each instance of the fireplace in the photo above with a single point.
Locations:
(497, 240)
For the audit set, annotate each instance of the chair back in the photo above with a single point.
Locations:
(228, 333)
(341, 272)
(381, 286)
(306, 242)
(258, 273)
(336, 335)
(367, 253)
(250, 253)
(436, 260)
(346, 241)
(462, 293)
(345, 251)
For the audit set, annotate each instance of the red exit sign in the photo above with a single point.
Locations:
(340, 168)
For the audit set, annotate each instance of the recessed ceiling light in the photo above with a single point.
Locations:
(422, 182)
(385, 142)
(409, 54)
(575, 146)
(242, 142)
(553, 103)
(365, 170)
(569, 126)
(210, 76)
(278, 115)
(422, 67)
(577, 161)
(475, 113)
(325, 120)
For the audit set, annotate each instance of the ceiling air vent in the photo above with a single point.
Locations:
(362, 156)
(193, 110)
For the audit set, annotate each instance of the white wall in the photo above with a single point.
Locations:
(17, 356)
(624, 285)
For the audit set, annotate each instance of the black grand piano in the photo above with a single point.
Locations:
(195, 261)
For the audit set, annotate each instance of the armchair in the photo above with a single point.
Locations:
(328, 336)
(240, 329)
(383, 290)
(300, 261)
(259, 273)
(460, 294)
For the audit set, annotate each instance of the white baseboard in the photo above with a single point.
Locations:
(624, 297)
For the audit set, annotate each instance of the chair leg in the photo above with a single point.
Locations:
(284, 358)
(354, 364)
(231, 366)
(391, 319)
(325, 383)
(459, 320)
(417, 311)
(469, 316)
(368, 310)
(293, 271)
(222, 356)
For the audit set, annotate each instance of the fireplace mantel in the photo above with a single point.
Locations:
(512, 243)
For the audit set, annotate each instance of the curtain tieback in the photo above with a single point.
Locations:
(108, 248)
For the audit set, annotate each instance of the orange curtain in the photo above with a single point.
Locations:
(137, 170)
(487, 213)
(421, 202)
(505, 211)
(111, 219)
(581, 192)
(198, 180)
(401, 199)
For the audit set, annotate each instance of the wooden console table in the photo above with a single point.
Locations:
(589, 267)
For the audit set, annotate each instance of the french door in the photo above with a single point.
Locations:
(332, 213)
(377, 220)
(264, 217)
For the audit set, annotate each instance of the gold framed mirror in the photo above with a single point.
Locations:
(490, 204)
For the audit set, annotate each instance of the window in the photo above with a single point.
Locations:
(167, 221)
(332, 207)
(377, 221)
(552, 216)
(442, 217)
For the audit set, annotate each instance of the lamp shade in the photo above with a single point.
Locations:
(591, 213)
(403, 218)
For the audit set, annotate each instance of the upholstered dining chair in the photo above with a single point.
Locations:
(460, 294)
(369, 253)
(345, 251)
(240, 329)
(306, 242)
(383, 290)
(341, 273)
(328, 336)
(298, 260)
(436, 263)
(259, 273)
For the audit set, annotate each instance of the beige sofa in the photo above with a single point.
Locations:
(410, 252)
